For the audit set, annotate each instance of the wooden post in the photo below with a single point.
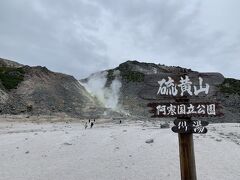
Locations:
(186, 150)
(186, 155)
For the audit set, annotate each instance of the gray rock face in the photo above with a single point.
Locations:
(47, 92)
(8, 63)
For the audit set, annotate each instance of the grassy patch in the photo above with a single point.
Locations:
(129, 74)
(230, 86)
(110, 77)
(11, 77)
(133, 76)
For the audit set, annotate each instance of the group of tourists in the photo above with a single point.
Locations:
(90, 122)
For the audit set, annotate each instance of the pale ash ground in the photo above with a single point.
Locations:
(60, 151)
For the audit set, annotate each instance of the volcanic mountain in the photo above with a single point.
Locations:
(137, 85)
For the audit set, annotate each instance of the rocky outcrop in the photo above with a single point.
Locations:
(42, 91)
(9, 63)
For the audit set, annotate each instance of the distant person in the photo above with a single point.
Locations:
(94, 120)
(120, 121)
(89, 120)
(92, 124)
(86, 125)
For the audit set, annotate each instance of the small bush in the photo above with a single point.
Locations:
(230, 86)
(11, 77)
(110, 75)
(133, 76)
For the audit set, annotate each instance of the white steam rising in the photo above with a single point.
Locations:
(108, 96)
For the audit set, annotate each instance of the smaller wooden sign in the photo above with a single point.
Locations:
(189, 126)
(189, 129)
(179, 122)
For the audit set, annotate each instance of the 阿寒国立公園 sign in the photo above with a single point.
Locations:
(185, 109)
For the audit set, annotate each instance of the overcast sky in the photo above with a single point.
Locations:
(79, 37)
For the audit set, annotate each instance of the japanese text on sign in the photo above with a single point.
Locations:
(168, 87)
(184, 109)
(196, 126)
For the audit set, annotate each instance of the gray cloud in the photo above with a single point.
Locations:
(81, 37)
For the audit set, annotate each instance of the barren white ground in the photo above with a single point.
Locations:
(66, 151)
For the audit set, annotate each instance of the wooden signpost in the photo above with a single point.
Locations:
(178, 96)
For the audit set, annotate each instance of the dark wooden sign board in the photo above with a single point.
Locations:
(180, 122)
(174, 93)
(189, 129)
(193, 126)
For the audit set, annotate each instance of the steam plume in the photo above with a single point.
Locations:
(108, 96)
